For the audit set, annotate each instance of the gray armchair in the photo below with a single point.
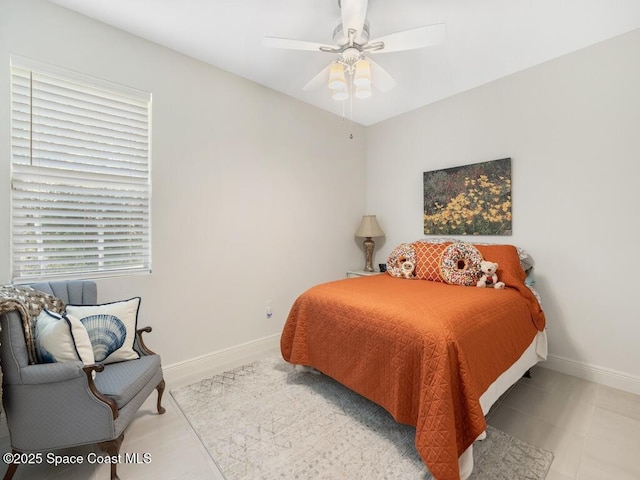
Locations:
(58, 405)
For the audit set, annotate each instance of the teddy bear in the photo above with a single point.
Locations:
(489, 278)
(406, 271)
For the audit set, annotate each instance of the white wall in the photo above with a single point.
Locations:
(572, 129)
(246, 180)
(256, 196)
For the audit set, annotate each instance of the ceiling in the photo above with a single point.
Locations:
(485, 40)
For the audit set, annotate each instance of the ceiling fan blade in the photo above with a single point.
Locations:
(319, 80)
(276, 42)
(418, 37)
(380, 77)
(353, 14)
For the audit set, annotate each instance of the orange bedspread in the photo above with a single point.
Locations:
(425, 351)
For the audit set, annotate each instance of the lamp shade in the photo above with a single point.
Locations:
(337, 80)
(369, 227)
(362, 77)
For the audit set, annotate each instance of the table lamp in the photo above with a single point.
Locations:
(369, 228)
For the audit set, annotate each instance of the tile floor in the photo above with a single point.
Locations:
(593, 431)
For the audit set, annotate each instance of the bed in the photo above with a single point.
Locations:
(434, 355)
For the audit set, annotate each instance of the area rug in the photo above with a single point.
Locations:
(267, 420)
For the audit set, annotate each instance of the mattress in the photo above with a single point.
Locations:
(535, 352)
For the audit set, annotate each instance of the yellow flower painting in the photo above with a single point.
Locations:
(469, 200)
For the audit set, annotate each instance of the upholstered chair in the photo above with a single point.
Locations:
(50, 406)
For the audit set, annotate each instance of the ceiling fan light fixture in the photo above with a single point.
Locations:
(362, 77)
(337, 80)
(363, 91)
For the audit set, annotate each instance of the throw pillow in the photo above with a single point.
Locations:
(111, 328)
(60, 338)
(402, 253)
(29, 303)
(460, 264)
(428, 255)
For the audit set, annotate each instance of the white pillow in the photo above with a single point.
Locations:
(111, 328)
(61, 338)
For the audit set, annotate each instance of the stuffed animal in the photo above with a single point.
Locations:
(489, 278)
(407, 269)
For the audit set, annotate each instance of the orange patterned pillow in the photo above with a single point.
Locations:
(428, 260)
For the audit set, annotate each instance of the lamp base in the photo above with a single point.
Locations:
(369, 245)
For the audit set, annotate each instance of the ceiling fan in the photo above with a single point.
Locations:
(353, 69)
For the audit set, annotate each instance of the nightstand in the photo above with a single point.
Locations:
(360, 273)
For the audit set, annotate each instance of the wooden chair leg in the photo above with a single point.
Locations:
(11, 469)
(160, 389)
(112, 448)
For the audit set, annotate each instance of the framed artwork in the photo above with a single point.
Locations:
(469, 200)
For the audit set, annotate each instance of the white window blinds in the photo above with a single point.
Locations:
(80, 176)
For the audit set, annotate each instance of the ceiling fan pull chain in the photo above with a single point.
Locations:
(351, 106)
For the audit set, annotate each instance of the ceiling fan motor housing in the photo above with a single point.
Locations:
(351, 55)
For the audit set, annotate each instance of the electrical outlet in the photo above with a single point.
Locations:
(269, 310)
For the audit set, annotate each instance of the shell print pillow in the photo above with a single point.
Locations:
(111, 328)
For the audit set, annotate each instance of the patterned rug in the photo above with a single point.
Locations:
(268, 421)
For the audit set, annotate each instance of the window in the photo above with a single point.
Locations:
(80, 175)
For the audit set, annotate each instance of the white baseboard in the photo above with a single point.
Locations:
(189, 371)
(593, 373)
